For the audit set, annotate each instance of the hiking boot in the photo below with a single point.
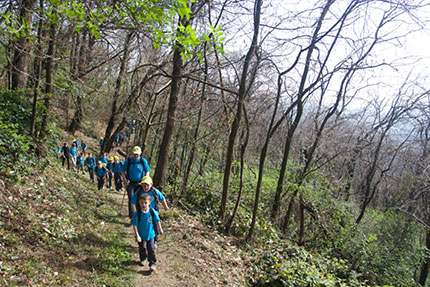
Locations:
(152, 269)
(140, 263)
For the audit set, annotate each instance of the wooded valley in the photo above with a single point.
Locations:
(300, 127)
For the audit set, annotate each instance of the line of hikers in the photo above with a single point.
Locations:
(142, 196)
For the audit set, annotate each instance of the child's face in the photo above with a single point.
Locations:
(144, 203)
(146, 186)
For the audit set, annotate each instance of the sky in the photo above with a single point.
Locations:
(405, 57)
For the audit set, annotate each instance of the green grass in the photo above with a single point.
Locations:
(56, 229)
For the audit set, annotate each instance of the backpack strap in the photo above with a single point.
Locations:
(128, 166)
(154, 192)
(154, 223)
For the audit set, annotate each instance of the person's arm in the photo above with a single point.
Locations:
(133, 202)
(161, 197)
(160, 229)
(124, 178)
(165, 204)
(138, 239)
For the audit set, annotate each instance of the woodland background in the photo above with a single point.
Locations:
(278, 122)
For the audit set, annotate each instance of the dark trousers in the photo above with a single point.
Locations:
(118, 181)
(91, 172)
(110, 179)
(68, 161)
(81, 168)
(100, 182)
(131, 189)
(148, 252)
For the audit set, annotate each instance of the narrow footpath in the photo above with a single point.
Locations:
(188, 254)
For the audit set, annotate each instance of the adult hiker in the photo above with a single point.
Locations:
(84, 147)
(116, 170)
(73, 154)
(65, 150)
(101, 172)
(90, 162)
(109, 168)
(134, 169)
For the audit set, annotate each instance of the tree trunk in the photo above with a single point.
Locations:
(22, 46)
(301, 241)
(49, 78)
(292, 129)
(109, 137)
(196, 130)
(37, 72)
(426, 264)
(79, 64)
(245, 136)
(163, 154)
(240, 102)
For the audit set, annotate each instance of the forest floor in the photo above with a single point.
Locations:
(56, 229)
(189, 254)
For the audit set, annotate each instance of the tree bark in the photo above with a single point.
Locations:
(163, 155)
(109, 137)
(37, 72)
(426, 264)
(240, 102)
(245, 136)
(49, 78)
(22, 47)
(79, 64)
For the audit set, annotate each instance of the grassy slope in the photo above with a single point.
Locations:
(57, 229)
(52, 233)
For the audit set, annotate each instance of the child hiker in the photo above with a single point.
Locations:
(90, 162)
(101, 172)
(145, 222)
(154, 194)
(116, 170)
(80, 163)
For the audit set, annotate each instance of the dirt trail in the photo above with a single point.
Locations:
(188, 254)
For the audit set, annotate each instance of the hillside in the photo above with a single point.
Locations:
(57, 229)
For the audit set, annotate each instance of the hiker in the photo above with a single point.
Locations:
(134, 169)
(109, 168)
(116, 170)
(121, 138)
(155, 194)
(104, 158)
(57, 151)
(145, 222)
(90, 162)
(80, 163)
(76, 142)
(100, 172)
(65, 150)
(84, 147)
(127, 136)
(73, 154)
(101, 143)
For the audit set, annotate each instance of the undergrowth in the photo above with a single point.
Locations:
(54, 232)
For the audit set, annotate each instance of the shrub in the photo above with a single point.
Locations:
(15, 141)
